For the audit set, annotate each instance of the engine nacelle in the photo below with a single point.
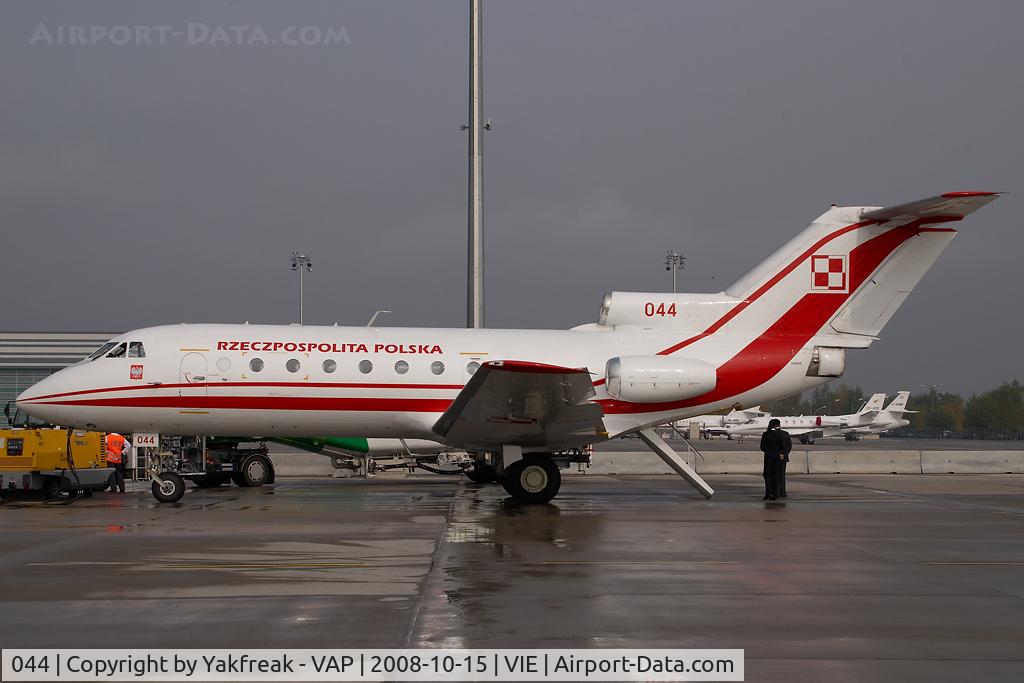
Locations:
(827, 361)
(653, 379)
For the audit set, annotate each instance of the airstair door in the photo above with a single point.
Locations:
(192, 381)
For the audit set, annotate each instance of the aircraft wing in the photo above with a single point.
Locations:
(524, 404)
(951, 206)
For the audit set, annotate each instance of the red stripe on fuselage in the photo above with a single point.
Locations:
(318, 385)
(350, 404)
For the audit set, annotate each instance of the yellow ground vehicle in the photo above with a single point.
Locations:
(35, 458)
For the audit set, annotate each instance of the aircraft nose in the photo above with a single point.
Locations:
(27, 403)
(38, 390)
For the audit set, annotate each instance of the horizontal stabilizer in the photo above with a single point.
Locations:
(951, 206)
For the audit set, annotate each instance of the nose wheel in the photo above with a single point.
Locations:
(534, 479)
(168, 487)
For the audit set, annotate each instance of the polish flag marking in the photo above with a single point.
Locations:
(829, 273)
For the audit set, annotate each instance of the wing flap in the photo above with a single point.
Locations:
(546, 407)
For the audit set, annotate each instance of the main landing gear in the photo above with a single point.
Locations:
(532, 479)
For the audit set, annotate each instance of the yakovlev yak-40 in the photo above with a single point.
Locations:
(515, 397)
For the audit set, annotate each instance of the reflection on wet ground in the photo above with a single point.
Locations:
(854, 578)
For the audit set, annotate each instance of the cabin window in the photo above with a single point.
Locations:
(256, 364)
(102, 350)
(223, 364)
(437, 367)
(330, 366)
(136, 350)
(292, 365)
(118, 351)
(401, 367)
(365, 367)
(472, 367)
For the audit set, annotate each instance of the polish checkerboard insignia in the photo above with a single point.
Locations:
(829, 273)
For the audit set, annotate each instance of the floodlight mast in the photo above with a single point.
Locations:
(301, 263)
(675, 262)
(475, 297)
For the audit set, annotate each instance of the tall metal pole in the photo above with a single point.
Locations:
(301, 262)
(675, 262)
(475, 299)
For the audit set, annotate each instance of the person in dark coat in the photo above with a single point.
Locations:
(786, 448)
(776, 445)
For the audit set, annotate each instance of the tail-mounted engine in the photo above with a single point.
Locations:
(827, 361)
(653, 379)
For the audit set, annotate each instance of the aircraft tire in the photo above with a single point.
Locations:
(256, 471)
(171, 490)
(534, 479)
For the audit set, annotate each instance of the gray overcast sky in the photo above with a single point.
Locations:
(151, 184)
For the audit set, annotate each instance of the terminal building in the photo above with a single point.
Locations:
(27, 357)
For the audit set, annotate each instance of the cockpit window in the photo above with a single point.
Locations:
(101, 351)
(135, 350)
(118, 351)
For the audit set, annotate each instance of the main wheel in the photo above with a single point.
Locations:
(255, 471)
(171, 489)
(534, 479)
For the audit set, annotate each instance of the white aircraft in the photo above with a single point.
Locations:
(810, 427)
(518, 396)
(713, 425)
(889, 418)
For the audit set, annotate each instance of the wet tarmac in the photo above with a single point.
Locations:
(853, 578)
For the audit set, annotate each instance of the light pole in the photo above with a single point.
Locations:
(301, 262)
(932, 390)
(675, 262)
(476, 126)
(827, 407)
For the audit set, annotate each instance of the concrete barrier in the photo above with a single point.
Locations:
(864, 462)
(972, 462)
(629, 462)
(747, 462)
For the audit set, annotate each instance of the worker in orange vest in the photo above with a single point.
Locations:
(117, 449)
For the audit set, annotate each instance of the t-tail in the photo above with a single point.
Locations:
(785, 326)
(873, 405)
(849, 271)
(899, 405)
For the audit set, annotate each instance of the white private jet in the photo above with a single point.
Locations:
(810, 427)
(714, 425)
(520, 395)
(889, 418)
